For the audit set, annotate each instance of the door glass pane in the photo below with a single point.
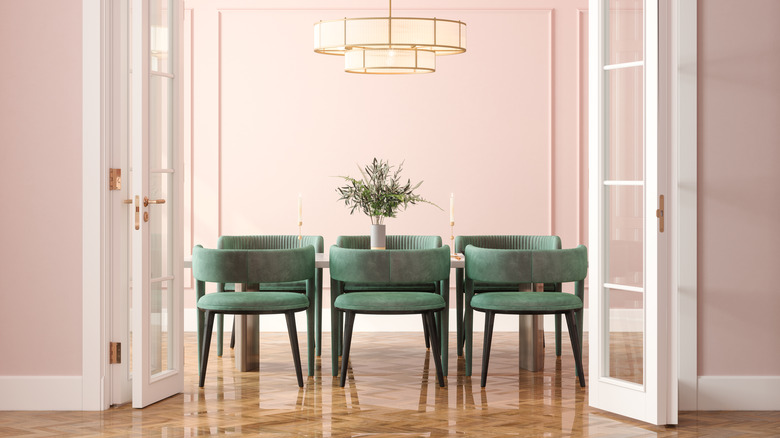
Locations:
(160, 326)
(161, 141)
(626, 124)
(160, 37)
(626, 30)
(130, 329)
(626, 335)
(127, 260)
(625, 230)
(160, 175)
(160, 220)
(160, 122)
(624, 196)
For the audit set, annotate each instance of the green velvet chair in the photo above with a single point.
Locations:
(389, 271)
(277, 242)
(253, 267)
(501, 242)
(400, 242)
(507, 266)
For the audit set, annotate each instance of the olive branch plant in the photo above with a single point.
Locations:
(380, 193)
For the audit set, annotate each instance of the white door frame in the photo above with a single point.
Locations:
(683, 170)
(95, 272)
(95, 390)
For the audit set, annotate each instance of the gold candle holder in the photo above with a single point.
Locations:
(300, 236)
(452, 240)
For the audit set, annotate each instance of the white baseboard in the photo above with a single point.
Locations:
(40, 393)
(739, 393)
(622, 320)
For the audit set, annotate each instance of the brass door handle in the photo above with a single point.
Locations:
(148, 201)
(659, 213)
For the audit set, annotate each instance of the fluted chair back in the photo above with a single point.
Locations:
(393, 242)
(269, 241)
(498, 241)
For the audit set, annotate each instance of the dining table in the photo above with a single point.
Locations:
(247, 333)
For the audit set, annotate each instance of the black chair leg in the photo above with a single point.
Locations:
(233, 334)
(425, 333)
(204, 360)
(350, 321)
(462, 337)
(490, 318)
(293, 332)
(435, 343)
(575, 345)
(340, 336)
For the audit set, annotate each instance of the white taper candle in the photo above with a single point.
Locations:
(452, 207)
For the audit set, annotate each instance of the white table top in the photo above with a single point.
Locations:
(321, 261)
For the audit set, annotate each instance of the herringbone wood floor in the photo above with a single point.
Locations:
(391, 391)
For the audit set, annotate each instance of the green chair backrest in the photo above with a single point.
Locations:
(253, 266)
(393, 242)
(270, 241)
(526, 266)
(389, 266)
(508, 242)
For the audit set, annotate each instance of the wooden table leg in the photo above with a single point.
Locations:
(531, 329)
(247, 340)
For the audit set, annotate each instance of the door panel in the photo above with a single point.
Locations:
(628, 340)
(157, 252)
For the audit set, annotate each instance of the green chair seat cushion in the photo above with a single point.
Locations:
(526, 302)
(253, 302)
(390, 302)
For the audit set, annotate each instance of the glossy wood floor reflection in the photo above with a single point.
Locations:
(391, 391)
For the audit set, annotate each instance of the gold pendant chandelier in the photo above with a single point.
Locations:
(390, 45)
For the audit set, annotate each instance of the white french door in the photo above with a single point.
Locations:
(157, 310)
(630, 369)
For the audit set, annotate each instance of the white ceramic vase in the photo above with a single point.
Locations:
(378, 236)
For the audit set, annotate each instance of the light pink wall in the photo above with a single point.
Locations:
(739, 187)
(40, 142)
(502, 126)
(40, 187)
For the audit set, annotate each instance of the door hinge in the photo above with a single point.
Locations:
(115, 355)
(114, 179)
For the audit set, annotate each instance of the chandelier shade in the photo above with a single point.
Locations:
(390, 61)
(337, 37)
(390, 45)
